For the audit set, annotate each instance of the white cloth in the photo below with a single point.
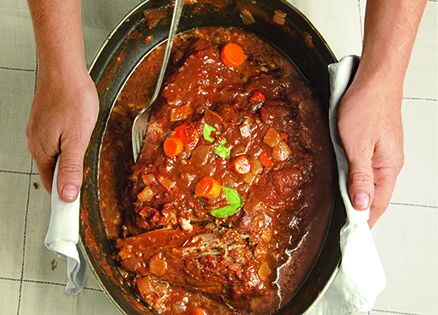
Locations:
(360, 277)
(63, 235)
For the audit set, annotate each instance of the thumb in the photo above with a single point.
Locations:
(361, 183)
(70, 174)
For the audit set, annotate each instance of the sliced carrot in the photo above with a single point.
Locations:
(257, 97)
(188, 134)
(265, 160)
(208, 188)
(198, 311)
(232, 55)
(173, 146)
(180, 132)
(242, 165)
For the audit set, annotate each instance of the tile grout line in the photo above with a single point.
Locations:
(16, 69)
(20, 290)
(46, 282)
(360, 19)
(393, 312)
(18, 172)
(420, 98)
(413, 205)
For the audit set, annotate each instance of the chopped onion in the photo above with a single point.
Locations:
(166, 183)
(185, 224)
(148, 179)
(249, 178)
(264, 271)
(246, 17)
(281, 152)
(180, 113)
(256, 167)
(158, 265)
(245, 130)
(146, 194)
(272, 137)
(266, 235)
(179, 307)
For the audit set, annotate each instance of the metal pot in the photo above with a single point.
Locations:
(296, 37)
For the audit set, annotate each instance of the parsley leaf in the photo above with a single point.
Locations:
(221, 150)
(206, 132)
(235, 203)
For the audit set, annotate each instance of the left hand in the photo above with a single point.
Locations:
(370, 127)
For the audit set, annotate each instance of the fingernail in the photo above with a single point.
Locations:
(361, 201)
(70, 192)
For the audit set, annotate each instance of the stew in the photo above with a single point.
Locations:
(222, 195)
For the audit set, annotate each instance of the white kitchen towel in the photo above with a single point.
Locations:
(360, 278)
(63, 235)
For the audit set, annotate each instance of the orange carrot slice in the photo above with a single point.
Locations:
(208, 188)
(173, 146)
(232, 55)
(198, 311)
(257, 97)
(265, 160)
(242, 165)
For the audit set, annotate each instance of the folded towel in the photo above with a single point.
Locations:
(63, 235)
(360, 277)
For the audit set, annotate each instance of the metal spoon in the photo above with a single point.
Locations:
(141, 121)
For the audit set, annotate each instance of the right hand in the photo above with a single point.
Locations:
(370, 127)
(62, 118)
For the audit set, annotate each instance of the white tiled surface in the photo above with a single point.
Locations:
(16, 89)
(406, 236)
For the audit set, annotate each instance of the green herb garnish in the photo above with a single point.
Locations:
(235, 203)
(206, 132)
(221, 150)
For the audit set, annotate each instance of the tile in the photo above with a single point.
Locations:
(17, 48)
(343, 35)
(40, 264)
(9, 296)
(93, 40)
(16, 90)
(362, 6)
(406, 240)
(313, 312)
(90, 280)
(418, 180)
(15, 8)
(40, 298)
(105, 15)
(99, 19)
(13, 197)
(422, 75)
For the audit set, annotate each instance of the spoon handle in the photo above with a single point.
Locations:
(177, 10)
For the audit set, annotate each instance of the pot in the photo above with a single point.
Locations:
(277, 22)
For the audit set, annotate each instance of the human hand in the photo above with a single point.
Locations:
(370, 127)
(62, 118)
